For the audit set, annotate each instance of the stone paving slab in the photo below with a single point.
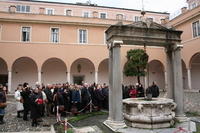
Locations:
(89, 129)
(188, 127)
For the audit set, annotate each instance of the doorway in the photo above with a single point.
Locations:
(3, 79)
(78, 80)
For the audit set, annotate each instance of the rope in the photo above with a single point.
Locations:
(180, 129)
(85, 106)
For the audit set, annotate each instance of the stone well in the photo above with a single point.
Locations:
(142, 113)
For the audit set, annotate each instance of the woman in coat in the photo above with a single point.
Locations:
(35, 111)
(2, 104)
(19, 100)
(133, 92)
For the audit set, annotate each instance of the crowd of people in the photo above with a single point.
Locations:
(59, 99)
(63, 99)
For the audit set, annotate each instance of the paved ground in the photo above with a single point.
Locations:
(14, 124)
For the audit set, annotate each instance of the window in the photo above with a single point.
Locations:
(26, 34)
(119, 16)
(82, 36)
(196, 29)
(86, 14)
(23, 8)
(50, 11)
(137, 18)
(68, 12)
(54, 35)
(103, 15)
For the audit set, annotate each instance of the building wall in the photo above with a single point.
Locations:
(77, 9)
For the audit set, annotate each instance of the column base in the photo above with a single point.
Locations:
(181, 118)
(114, 125)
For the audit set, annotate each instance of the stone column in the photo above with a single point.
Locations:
(9, 81)
(39, 77)
(169, 70)
(178, 83)
(146, 82)
(96, 77)
(68, 77)
(115, 120)
(166, 86)
(189, 78)
(110, 83)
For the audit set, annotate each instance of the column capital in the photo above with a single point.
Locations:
(115, 43)
(177, 46)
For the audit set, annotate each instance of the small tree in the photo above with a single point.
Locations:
(137, 60)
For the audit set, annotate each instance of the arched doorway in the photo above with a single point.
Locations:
(3, 72)
(156, 73)
(195, 71)
(24, 69)
(82, 70)
(103, 72)
(185, 76)
(54, 71)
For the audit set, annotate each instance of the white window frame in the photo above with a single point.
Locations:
(104, 13)
(78, 36)
(59, 32)
(46, 11)
(25, 8)
(65, 12)
(197, 29)
(30, 35)
(134, 18)
(89, 14)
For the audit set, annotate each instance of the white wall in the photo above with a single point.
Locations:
(103, 74)
(195, 73)
(24, 70)
(54, 71)
(156, 73)
(87, 70)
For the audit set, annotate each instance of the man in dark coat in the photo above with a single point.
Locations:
(2, 100)
(140, 91)
(155, 90)
(105, 93)
(26, 100)
(85, 96)
(49, 101)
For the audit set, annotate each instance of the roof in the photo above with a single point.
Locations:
(90, 5)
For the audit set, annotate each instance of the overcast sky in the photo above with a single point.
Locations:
(169, 6)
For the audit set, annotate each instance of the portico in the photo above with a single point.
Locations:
(146, 33)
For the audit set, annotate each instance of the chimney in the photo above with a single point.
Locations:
(42, 10)
(95, 14)
(12, 9)
(183, 9)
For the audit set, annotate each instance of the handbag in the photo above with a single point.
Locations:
(3, 105)
(61, 108)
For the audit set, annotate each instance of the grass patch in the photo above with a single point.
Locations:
(84, 116)
(59, 128)
(192, 114)
(198, 127)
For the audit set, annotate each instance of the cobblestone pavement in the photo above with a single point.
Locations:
(14, 124)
